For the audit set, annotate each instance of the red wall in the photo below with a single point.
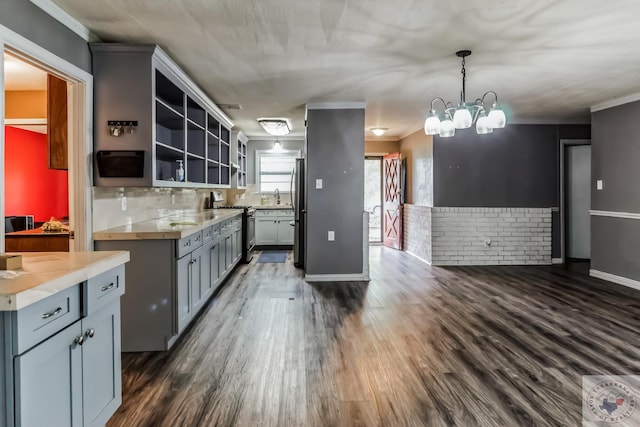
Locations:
(30, 187)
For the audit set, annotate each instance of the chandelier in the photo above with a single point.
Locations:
(487, 117)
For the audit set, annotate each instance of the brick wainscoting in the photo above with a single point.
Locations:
(495, 236)
(417, 231)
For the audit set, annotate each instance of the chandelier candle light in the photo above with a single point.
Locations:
(465, 114)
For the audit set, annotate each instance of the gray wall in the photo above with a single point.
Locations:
(512, 167)
(335, 154)
(517, 166)
(262, 144)
(615, 150)
(33, 23)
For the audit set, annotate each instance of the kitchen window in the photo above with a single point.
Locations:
(274, 170)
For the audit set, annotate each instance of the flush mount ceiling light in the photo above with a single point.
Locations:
(379, 131)
(275, 126)
(487, 117)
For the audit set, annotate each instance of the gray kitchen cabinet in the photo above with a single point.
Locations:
(172, 279)
(183, 294)
(273, 227)
(72, 377)
(189, 284)
(48, 382)
(239, 154)
(214, 270)
(285, 230)
(266, 231)
(175, 122)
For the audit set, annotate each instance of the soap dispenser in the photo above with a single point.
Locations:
(180, 172)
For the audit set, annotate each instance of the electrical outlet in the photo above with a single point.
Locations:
(318, 184)
(331, 236)
(123, 201)
(599, 184)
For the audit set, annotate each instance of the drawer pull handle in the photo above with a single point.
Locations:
(107, 287)
(90, 333)
(53, 313)
(198, 239)
(188, 243)
(79, 340)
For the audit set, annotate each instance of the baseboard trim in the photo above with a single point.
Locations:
(624, 281)
(556, 261)
(615, 214)
(337, 278)
(420, 258)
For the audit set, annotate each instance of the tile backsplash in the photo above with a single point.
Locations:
(250, 197)
(144, 204)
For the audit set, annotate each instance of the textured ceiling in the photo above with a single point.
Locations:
(548, 60)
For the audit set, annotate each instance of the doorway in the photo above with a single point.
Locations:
(76, 87)
(36, 182)
(576, 201)
(373, 196)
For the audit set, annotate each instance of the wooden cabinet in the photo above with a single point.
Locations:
(273, 227)
(72, 375)
(239, 154)
(177, 124)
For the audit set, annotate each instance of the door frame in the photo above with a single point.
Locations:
(564, 143)
(80, 147)
(379, 158)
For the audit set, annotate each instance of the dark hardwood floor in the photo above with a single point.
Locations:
(418, 345)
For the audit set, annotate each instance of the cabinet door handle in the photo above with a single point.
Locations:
(90, 333)
(188, 243)
(53, 313)
(79, 340)
(107, 287)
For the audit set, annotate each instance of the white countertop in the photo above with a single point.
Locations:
(46, 273)
(270, 207)
(169, 227)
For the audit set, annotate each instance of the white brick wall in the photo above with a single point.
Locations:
(490, 236)
(417, 231)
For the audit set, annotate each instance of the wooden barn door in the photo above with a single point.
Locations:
(392, 207)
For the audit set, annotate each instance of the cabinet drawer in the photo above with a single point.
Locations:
(44, 318)
(207, 234)
(286, 212)
(265, 212)
(188, 244)
(103, 289)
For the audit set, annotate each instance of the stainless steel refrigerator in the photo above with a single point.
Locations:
(299, 209)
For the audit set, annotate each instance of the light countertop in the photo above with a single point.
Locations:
(46, 273)
(270, 207)
(168, 227)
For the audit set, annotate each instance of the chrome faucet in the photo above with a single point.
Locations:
(277, 194)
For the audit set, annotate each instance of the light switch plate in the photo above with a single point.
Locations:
(599, 184)
(318, 184)
(331, 236)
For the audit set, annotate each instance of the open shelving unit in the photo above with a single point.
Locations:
(239, 156)
(180, 125)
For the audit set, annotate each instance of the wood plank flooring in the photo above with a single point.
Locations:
(417, 346)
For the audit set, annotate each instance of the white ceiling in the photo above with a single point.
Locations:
(548, 60)
(18, 75)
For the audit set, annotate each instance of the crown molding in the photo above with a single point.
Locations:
(336, 105)
(65, 19)
(615, 102)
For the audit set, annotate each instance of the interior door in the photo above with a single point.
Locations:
(578, 197)
(392, 203)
